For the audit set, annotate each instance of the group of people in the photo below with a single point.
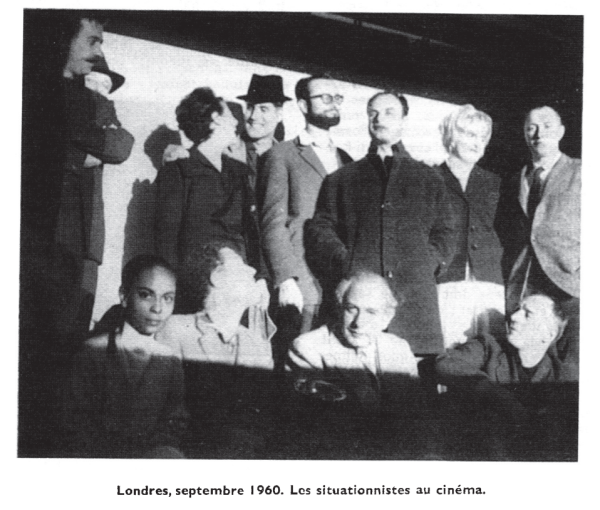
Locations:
(292, 270)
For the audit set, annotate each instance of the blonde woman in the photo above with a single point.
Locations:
(471, 292)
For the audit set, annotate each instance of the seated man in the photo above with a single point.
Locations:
(373, 368)
(227, 366)
(524, 382)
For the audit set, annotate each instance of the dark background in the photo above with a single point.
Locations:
(502, 64)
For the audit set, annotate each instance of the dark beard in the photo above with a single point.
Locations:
(321, 121)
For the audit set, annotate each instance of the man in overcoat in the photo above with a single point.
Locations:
(387, 213)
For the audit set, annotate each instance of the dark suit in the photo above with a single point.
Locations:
(197, 204)
(401, 228)
(549, 243)
(475, 213)
(288, 187)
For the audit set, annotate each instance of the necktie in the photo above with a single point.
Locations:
(535, 190)
(388, 162)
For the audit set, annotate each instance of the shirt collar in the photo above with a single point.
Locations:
(131, 340)
(323, 141)
(548, 164)
(204, 325)
(384, 152)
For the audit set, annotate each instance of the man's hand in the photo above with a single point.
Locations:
(265, 297)
(175, 152)
(290, 294)
(91, 161)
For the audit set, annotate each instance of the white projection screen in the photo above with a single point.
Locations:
(158, 76)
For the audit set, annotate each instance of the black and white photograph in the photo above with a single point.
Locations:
(302, 236)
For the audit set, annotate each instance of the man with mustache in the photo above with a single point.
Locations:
(62, 213)
(80, 229)
(288, 186)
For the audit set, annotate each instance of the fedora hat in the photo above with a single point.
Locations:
(265, 89)
(101, 66)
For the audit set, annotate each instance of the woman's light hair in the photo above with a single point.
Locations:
(459, 120)
(346, 284)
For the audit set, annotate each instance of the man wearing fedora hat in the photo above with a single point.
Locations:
(264, 105)
(264, 112)
(288, 185)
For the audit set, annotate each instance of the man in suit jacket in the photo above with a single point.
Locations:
(374, 369)
(546, 205)
(288, 186)
(389, 214)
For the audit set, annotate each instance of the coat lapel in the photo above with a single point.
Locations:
(452, 183)
(553, 182)
(307, 153)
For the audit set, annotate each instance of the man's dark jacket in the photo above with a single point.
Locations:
(404, 231)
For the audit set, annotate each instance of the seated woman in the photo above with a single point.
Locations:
(125, 398)
(228, 367)
(471, 291)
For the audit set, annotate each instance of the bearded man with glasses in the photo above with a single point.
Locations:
(288, 185)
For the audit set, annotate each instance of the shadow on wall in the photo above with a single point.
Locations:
(139, 228)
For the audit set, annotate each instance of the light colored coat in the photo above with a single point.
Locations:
(555, 230)
(288, 187)
(320, 354)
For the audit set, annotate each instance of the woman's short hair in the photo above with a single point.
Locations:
(194, 113)
(458, 120)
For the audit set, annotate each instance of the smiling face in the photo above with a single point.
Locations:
(85, 49)
(261, 120)
(150, 300)
(543, 132)
(366, 312)
(386, 119)
(534, 323)
(470, 141)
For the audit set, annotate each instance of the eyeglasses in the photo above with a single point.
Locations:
(328, 98)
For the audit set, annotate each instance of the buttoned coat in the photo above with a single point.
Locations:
(196, 204)
(478, 239)
(288, 186)
(554, 234)
(407, 234)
